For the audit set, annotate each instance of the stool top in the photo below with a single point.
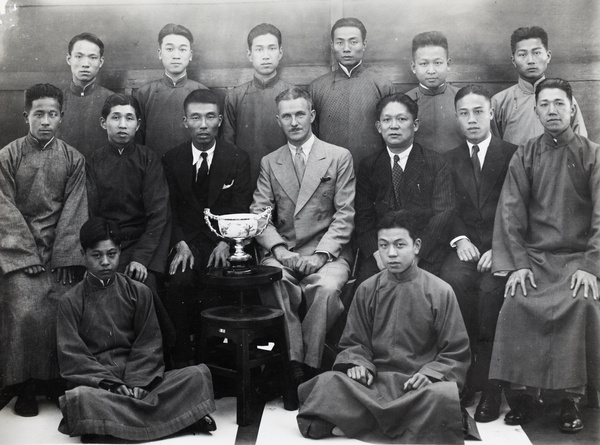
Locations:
(215, 276)
(239, 316)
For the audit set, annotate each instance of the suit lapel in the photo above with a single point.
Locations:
(218, 173)
(383, 176)
(466, 174)
(492, 167)
(316, 167)
(283, 169)
(415, 165)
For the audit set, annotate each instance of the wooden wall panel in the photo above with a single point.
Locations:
(34, 36)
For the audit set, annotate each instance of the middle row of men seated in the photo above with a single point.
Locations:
(318, 205)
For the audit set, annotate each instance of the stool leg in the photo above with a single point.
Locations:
(290, 394)
(244, 383)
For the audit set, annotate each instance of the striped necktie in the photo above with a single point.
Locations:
(397, 179)
(299, 164)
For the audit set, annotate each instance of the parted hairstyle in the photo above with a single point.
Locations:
(429, 38)
(261, 30)
(171, 28)
(204, 96)
(472, 89)
(410, 104)
(98, 229)
(350, 22)
(40, 91)
(560, 84)
(121, 99)
(89, 37)
(294, 93)
(401, 219)
(533, 32)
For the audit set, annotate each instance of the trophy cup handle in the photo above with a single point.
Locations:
(207, 217)
(266, 215)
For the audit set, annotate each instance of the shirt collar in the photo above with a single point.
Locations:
(33, 141)
(170, 82)
(356, 69)
(403, 157)
(196, 153)
(432, 91)
(306, 147)
(263, 85)
(86, 90)
(528, 87)
(483, 145)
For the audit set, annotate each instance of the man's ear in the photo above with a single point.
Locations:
(413, 66)
(69, 59)
(416, 124)
(82, 251)
(313, 114)
(139, 123)
(26, 116)
(417, 246)
(103, 123)
(378, 126)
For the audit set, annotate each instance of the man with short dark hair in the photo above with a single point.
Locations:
(515, 120)
(405, 353)
(84, 98)
(249, 120)
(547, 238)
(161, 100)
(478, 169)
(309, 184)
(204, 172)
(406, 176)
(345, 99)
(43, 201)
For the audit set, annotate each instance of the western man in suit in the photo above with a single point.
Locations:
(202, 173)
(403, 176)
(310, 185)
(478, 168)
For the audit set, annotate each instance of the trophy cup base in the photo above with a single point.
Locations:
(245, 268)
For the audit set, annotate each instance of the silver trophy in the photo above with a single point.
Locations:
(239, 227)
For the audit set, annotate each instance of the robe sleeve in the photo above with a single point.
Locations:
(18, 248)
(357, 348)
(453, 357)
(497, 125)
(145, 360)
(577, 123)
(229, 118)
(74, 214)
(155, 195)
(591, 259)
(511, 222)
(77, 363)
(435, 233)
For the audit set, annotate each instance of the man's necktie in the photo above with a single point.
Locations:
(476, 165)
(202, 172)
(397, 178)
(299, 164)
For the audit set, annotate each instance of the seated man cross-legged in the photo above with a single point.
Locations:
(110, 353)
(405, 353)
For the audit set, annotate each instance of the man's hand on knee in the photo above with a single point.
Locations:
(467, 251)
(360, 374)
(285, 257)
(519, 277)
(588, 281)
(417, 381)
(309, 264)
(181, 258)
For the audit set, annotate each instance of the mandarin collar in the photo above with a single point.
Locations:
(562, 140)
(35, 143)
(168, 81)
(85, 91)
(431, 91)
(528, 87)
(408, 275)
(354, 72)
(263, 85)
(114, 149)
(94, 281)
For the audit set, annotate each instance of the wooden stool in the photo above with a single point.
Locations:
(242, 325)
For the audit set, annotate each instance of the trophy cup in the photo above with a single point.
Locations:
(238, 227)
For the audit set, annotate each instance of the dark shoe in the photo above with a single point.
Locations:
(205, 425)
(569, 420)
(524, 408)
(488, 408)
(26, 406)
(466, 396)
(297, 373)
(315, 427)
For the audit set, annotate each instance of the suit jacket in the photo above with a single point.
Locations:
(426, 189)
(316, 215)
(230, 189)
(475, 212)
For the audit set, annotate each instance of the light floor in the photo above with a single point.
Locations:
(277, 426)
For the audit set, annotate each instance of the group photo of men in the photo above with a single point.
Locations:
(437, 232)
